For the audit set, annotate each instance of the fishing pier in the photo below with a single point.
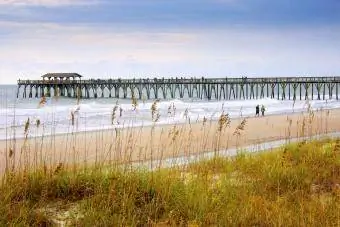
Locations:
(74, 86)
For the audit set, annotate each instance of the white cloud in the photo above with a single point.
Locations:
(29, 50)
(46, 43)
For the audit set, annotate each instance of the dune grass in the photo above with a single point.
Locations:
(296, 185)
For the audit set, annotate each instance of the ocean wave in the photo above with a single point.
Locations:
(95, 115)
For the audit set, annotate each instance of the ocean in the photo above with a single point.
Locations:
(96, 114)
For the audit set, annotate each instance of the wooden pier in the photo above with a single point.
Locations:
(72, 85)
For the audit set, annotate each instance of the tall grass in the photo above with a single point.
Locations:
(297, 184)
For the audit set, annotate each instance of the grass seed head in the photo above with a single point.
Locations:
(169, 109)
(303, 127)
(154, 111)
(72, 118)
(240, 127)
(38, 123)
(134, 101)
(174, 133)
(10, 153)
(205, 119)
(172, 109)
(158, 116)
(223, 122)
(186, 112)
(59, 168)
(113, 115)
(27, 125)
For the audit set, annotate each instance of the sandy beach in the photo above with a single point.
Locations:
(150, 143)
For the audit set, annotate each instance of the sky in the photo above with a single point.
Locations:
(169, 38)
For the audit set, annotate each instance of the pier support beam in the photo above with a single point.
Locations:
(218, 88)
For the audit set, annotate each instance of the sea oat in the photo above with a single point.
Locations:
(290, 121)
(186, 112)
(10, 153)
(169, 110)
(154, 111)
(59, 168)
(240, 127)
(38, 123)
(223, 122)
(303, 127)
(158, 116)
(205, 120)
(27, 125)
(174, 133)
(113, 115)
(72, 118)
(134, 101)
(310, 114)
(174, 109)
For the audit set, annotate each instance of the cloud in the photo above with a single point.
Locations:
(48, 42)
(50, 3)
(29, 50)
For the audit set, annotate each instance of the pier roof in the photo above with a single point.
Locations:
(61, 75)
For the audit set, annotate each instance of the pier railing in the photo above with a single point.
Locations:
(185, 80)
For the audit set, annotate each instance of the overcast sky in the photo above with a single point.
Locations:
(163, 38)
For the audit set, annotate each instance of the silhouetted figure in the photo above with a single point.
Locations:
(257, 112)
(262, 110)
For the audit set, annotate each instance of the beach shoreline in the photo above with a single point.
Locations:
(163, 141)
(129, 125)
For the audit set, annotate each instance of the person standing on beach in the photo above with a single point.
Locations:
(257, 111)
(262, 110)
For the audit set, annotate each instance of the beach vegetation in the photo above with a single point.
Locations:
(295, 185)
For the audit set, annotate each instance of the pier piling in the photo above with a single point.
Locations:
(60, 84)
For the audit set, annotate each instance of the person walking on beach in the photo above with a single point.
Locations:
(257, 111)
(262, 110)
